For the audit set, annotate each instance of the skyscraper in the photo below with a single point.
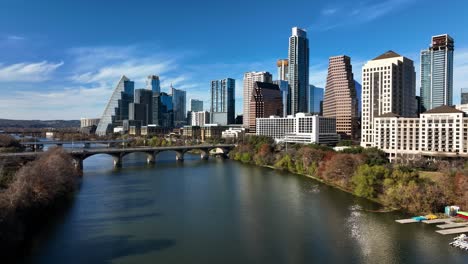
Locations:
(117, 108)
(266, 100)
(340, 100)
(315, 100)
(163, 111)
(464, 96)
(298, 57)
(196, 105)
(388, 86)
(152, 84)
(249, 79)
(282, 65)
(437, 73)
(144, 97)
(179, 106)
(223, 98)
(284, 88)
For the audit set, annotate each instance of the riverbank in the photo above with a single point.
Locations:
(35, 192)
(366, 173)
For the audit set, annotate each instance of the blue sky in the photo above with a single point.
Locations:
(61, 59)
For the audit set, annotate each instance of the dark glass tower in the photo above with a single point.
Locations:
(299, 70)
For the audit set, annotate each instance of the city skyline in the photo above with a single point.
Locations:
(74, 73)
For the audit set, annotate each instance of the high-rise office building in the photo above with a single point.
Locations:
(315, 100)
(145, 98)
(249, 80)
(266, 100)
(464, 96)
(179, 106)
(152, 84)
(117, 108)
(163, 110)
(298, 57)
(388, 86)
(284, 88)
(340, 100)
(437, 73)
(223, 98)
(283, 67)
(196, 105)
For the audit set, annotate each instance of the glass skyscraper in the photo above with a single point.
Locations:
(196, 105)
(437, 73)
(179, 106)
(152, 83)
(222, 98)
(285, 94)
(315, 99)
(117, 109)
(298, 56)
(163, 110)
(464, 96)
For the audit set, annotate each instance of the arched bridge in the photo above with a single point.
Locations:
(79, 155)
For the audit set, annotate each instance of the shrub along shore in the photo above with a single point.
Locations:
(32, 195)
(417, 187)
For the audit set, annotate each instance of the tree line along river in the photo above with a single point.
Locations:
(221, 211)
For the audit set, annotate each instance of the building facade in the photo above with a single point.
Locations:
(196, 105)
(464, 96)
(266, 100)
(439, 132)
(117, 108)
(153, 84)
(285, 92)
(437, 73)
(388, 86)
(200, 118)
(298, 59)
(302, 128)
(340, 99)
(88, 122)
(179, 106)
(283, 68)
(163, 110)
(223, 98)
(315, 100)
(145, 98)
(249, 80)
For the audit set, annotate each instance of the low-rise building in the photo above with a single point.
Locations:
(233, 132)
(439, 132)
(301, 128)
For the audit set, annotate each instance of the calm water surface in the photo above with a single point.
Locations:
(220, 211)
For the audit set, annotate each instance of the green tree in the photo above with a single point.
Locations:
(368, 180)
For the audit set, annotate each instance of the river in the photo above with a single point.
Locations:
(221, 211)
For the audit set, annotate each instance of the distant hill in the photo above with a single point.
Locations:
(9, 123)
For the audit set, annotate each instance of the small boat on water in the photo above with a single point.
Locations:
(420, 218)
(460, 242)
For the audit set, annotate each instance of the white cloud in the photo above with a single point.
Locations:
(353, 13)
(329, 11)
(15, 37)
(28, 72)
(68, 103)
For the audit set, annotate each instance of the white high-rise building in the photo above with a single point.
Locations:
(298, 59)
(200, 118)
(388, 86)
(302, 128)
(249, 80)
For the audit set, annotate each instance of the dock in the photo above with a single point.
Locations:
(452, 225)
(406, 221)
(437, 221)
(453, 231)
